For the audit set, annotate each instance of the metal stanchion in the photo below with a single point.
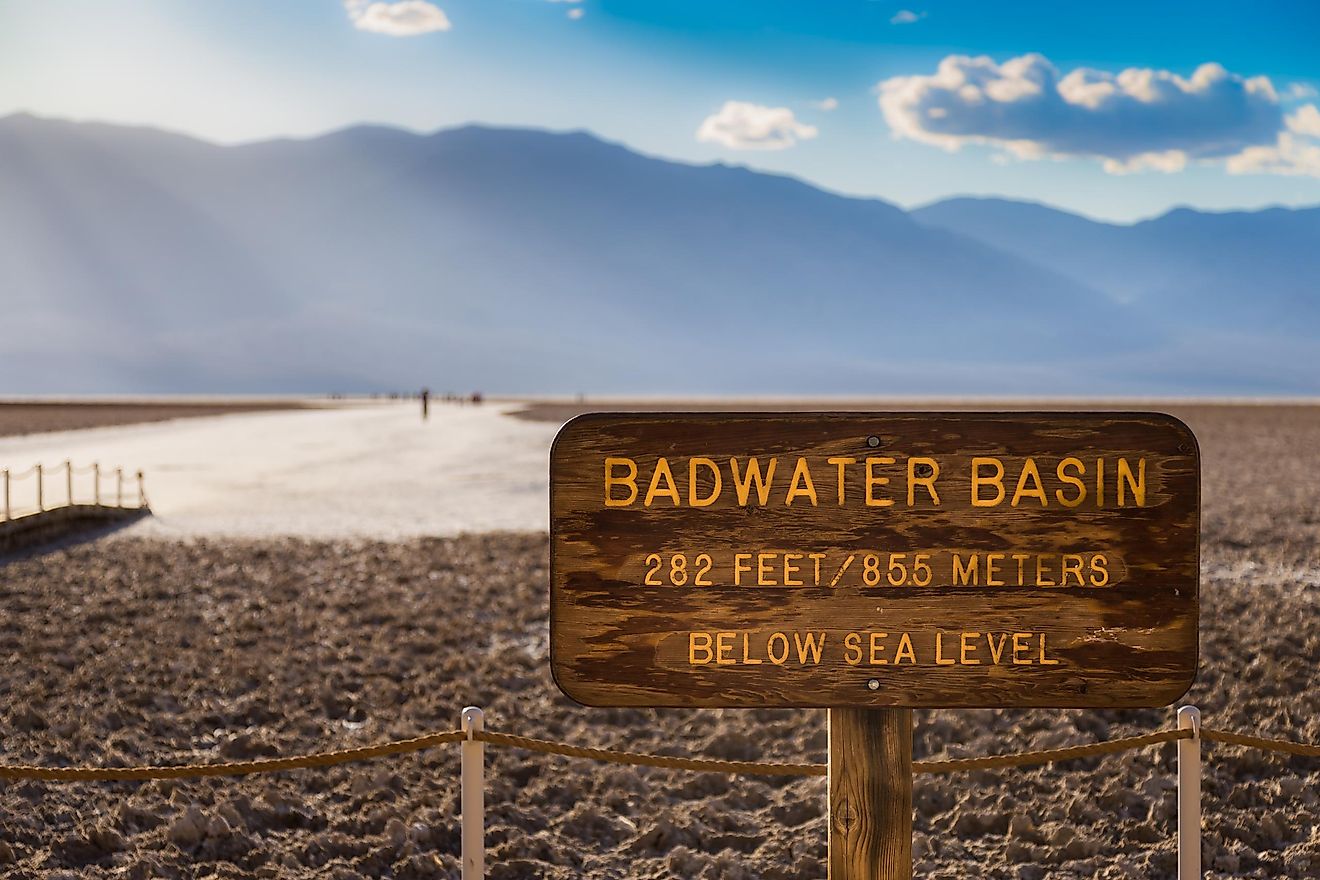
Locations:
(473, 797)
(119, 487)
(41, 501)
(96, 484)
(142, 492)
(68, 479)
(1189, 795)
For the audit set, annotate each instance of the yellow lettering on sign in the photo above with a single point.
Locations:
(694, 500)
(1043, 661)
(1020, 645)
(927, 482)
(747, 657)
(723, 646)
(978, 480)
(1062, 471)
(966, 574)
(878, 645)
(743, 483)
(770, 648)
(742, 564)
(630, 481)
(1032, 474)
(670, 491)
(940, 659)
(1136, 484)
(852, 645)
(1099, 570)
(872, 481)
(841, 463)
(967, 647)
(905, 650)
(810, 647)
(801, 484)
(699, 648)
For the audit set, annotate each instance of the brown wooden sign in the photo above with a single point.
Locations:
(874, 559)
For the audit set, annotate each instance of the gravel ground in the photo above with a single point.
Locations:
(140, 650)
(38, 416)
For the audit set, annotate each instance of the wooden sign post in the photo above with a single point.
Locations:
(871, 563)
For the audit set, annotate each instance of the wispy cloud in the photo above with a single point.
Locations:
(1137, 118)
(826, 104)
(403, 18)
(907, 16)
(576, 12)
(741, 125)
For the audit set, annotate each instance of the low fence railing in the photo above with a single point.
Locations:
(65, 485)
(473, 737)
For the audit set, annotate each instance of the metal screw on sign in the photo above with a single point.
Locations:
(472, 795)
(873, 441)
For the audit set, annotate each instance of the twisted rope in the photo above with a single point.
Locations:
(1256, 742)
(233, 768)
(1050, 756)
(710, 765)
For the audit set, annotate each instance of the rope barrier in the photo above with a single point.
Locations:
(233, 768)
(1050, 756)
(1256, 742)
(748, 768)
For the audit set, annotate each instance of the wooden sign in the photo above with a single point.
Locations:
(874, 559)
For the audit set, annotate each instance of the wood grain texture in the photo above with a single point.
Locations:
(617, 641)
(870, 833)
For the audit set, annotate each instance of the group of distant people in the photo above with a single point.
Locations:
(424, 395)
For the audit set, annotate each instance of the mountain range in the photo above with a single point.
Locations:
(522, 261)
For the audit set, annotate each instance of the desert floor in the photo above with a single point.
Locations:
(157, 647)
(34, 416)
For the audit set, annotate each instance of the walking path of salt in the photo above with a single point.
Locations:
(373, 471)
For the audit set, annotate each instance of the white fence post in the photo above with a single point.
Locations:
(68, 479)
(119, 487)
(473, 796)
(142, 492)
(41, 495)
(8, 510)
(1189, 795)
(96, 483)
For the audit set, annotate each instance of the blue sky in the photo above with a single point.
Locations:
(859, 96)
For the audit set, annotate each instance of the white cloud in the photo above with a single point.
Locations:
(1305, 121)
(1296, 151)
(1300, 92)
(403, 18)
(1135, 119)
(576, 13)
(907, 16)
(826, 104)
(741, 125)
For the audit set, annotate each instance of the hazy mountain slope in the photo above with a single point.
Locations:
(1240, 271)
(518, 260)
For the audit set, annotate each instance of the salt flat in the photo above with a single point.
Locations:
(371, 471)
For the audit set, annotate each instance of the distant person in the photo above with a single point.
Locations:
(426, 403)
(476, 397)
